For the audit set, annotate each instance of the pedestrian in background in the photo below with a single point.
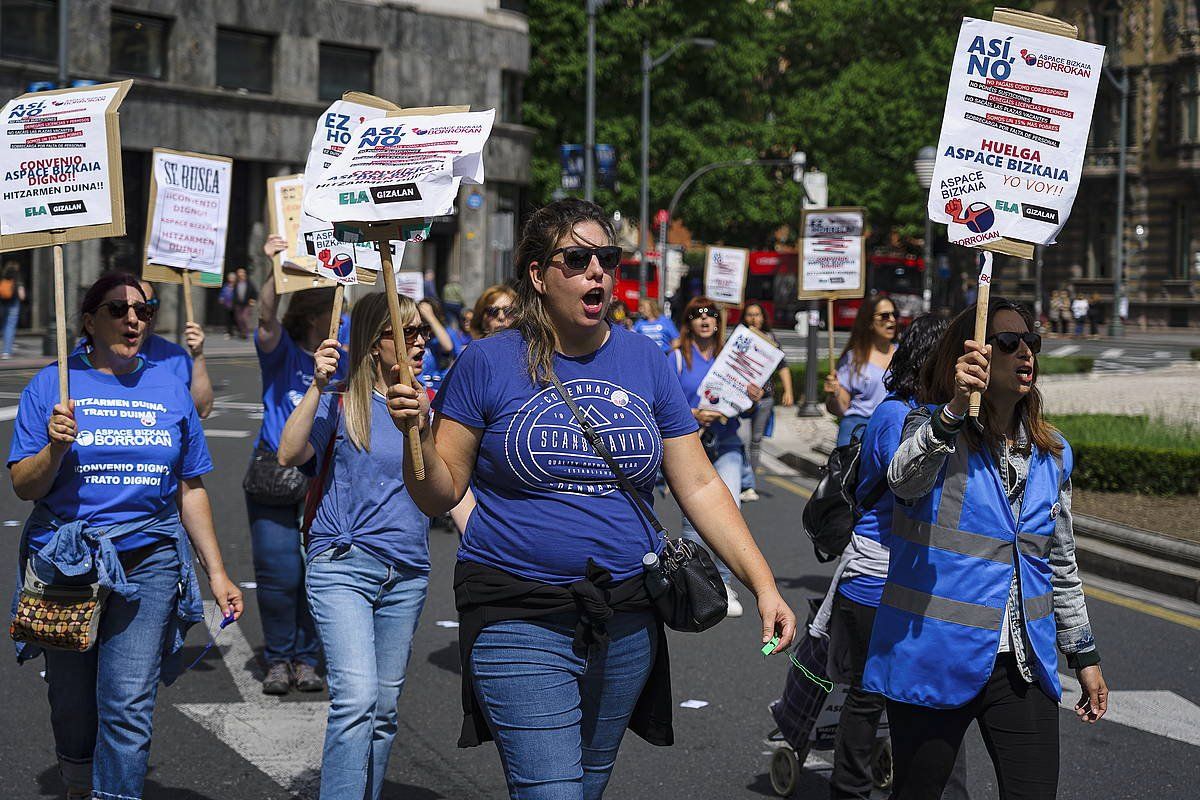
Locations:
(1095, 314)
(553, 534)
(12, 294)
(102, 700)
(188, 364)
(618, 312)
(983, 582)
(493, 310)
(1079, 311)
(653, 323)
(245, 297)
(367, 545)
(1059, 311)
(856, 388)
(225, 300)
(762, 417)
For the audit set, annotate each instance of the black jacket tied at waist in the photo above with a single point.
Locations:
(484, 595)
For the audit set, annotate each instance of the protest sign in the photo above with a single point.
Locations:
(411, 284)
(1011, 149)
(60, 158)
(725, 274)
(833, 252)
(747, 358)
(188, 214)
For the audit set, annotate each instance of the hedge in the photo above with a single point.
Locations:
(1132, 454)
(1195, 351)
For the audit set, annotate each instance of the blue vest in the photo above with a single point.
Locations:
(953, 552)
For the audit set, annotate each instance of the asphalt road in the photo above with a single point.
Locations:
(217, 738)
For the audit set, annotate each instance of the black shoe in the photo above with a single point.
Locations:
(307, 679)
(278, 679)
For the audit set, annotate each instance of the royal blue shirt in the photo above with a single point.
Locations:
(139, 436)
(661, 331)
(690, 379)
(365, 501)
(287, 372)
(160, 352)
(879, 444)
(547, 502)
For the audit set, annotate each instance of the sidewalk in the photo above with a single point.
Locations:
(27, 353)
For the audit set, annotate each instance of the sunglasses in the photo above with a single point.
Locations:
(577, 258)
(703, 311)
(118, 309)
(411, 332)
(496, 311)
(1008, 342)
(886, 316)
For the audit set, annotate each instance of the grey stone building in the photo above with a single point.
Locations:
(248, 78)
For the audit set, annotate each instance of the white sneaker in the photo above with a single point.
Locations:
(749, 496)
(735, 606)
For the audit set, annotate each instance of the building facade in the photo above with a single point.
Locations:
(248, 79)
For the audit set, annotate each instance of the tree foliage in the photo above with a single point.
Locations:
(859, 85)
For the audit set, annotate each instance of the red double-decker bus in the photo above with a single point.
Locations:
(628, 284)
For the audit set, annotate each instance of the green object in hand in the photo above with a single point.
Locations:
(770, 646)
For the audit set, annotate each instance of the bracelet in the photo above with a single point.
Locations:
(951, 416)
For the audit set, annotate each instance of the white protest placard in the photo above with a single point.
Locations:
(832, 252)
(725, 274)
(747, 358)
(60, 160)
(188, 215)
(410, 284)
(1011, 150)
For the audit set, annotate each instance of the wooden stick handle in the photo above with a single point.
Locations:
(188, 310)
(393, 301)
(60, 324)
(832, 363)
(335, 318)
(981, 319)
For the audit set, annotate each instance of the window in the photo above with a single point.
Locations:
(512, 85)
(345, 69)
(1181, 239)
(139, 45)
(1189, 108)
(29, 30)
(519, 6)
(245, 61)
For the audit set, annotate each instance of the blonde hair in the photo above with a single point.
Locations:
(486, 299)
(368, 321)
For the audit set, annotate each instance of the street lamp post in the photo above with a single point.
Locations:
(1115, 326)
(923, 166)
(589, 147)
(645, 237)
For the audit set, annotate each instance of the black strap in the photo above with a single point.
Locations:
(598, 445)
(875, 494)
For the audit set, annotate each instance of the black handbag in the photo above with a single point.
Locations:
(272, 485)
(696, 599)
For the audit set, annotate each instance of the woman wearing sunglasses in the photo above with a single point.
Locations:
(982, 567)
(116, 481)
(493, 311)
(561, 650)
(367, 542)
(856, 387)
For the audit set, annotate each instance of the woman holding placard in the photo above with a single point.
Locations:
(856, 387)
(561, 648)
(116, 480)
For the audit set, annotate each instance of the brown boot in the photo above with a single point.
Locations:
(306, 677)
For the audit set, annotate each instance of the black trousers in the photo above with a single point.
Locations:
(1019, 724)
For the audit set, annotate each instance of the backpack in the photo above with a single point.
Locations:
(832, 512)
(8, 288)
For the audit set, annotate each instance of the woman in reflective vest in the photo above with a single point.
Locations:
(982, 581)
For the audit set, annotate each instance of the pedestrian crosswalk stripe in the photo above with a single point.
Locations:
(1113, 352)
(1065, 350)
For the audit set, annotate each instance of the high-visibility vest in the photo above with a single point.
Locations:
(953, 552)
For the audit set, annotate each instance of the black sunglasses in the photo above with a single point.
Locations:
(703, 311)
(886, 315)
(577, 258)
(117, 309)
(495, 311)
(411, 332)
(1008, 342)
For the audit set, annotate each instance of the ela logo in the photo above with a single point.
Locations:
(350, 198)
(35, 211)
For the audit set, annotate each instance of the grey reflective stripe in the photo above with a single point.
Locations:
(955, 541)
(1033, 545)
(943, 608)
(1040, 606)
(954, 487)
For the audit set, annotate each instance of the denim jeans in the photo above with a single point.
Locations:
(102, 701)
(558, 716)
(729, 467)
(366, 612)
(847, 425)
(757, 428)
(288, 630)
(12, 313)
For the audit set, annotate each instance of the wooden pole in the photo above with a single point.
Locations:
(60, 324)
(832, 363)
(335, 318)
(981, 318)
(393, 301)
(189, 312)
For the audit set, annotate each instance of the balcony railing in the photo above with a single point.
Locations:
(1100, 162)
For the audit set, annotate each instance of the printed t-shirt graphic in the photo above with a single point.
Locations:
(139, 435)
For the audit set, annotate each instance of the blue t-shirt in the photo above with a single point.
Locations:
(690, 379)
(287, 372)
(139, 436)
(662, 331)
(547, 502)
(365, 501)
(160, 352)
(864, 385)
(879, 444)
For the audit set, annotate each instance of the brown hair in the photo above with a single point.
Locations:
(486, 299)
(860, 343)
(302, 308)
(937, 383)
(95, 296)
(766, 323)
(367, 321)
(686, 340)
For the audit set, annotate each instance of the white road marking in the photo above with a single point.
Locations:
(230, 405)
(1159, 712)
(7, 413)
(1113, 352)
(1162, 353)
(1065, 350)
(223, 433)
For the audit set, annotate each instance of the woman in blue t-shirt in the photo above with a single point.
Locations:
(552, 535)
(368, 543)
(856, 387)
(660, 329)
(116, 481)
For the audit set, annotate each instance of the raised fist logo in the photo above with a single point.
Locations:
(978, 217)
(953, 208)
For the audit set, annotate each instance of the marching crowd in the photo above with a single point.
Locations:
(956, 592)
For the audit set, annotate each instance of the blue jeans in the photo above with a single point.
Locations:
(102, 701)
(366, 612)
(557, 716)
(729, 467)
(847, 426)
(288, 630)
(12, 313)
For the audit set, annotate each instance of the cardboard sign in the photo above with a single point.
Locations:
(411, 284)
(60, 161)
(725, 274)
(747, 358)
(189, 210)
(1010, 153)
(405, 166)
(832, 252)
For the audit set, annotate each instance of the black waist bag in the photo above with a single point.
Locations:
(272, 485)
